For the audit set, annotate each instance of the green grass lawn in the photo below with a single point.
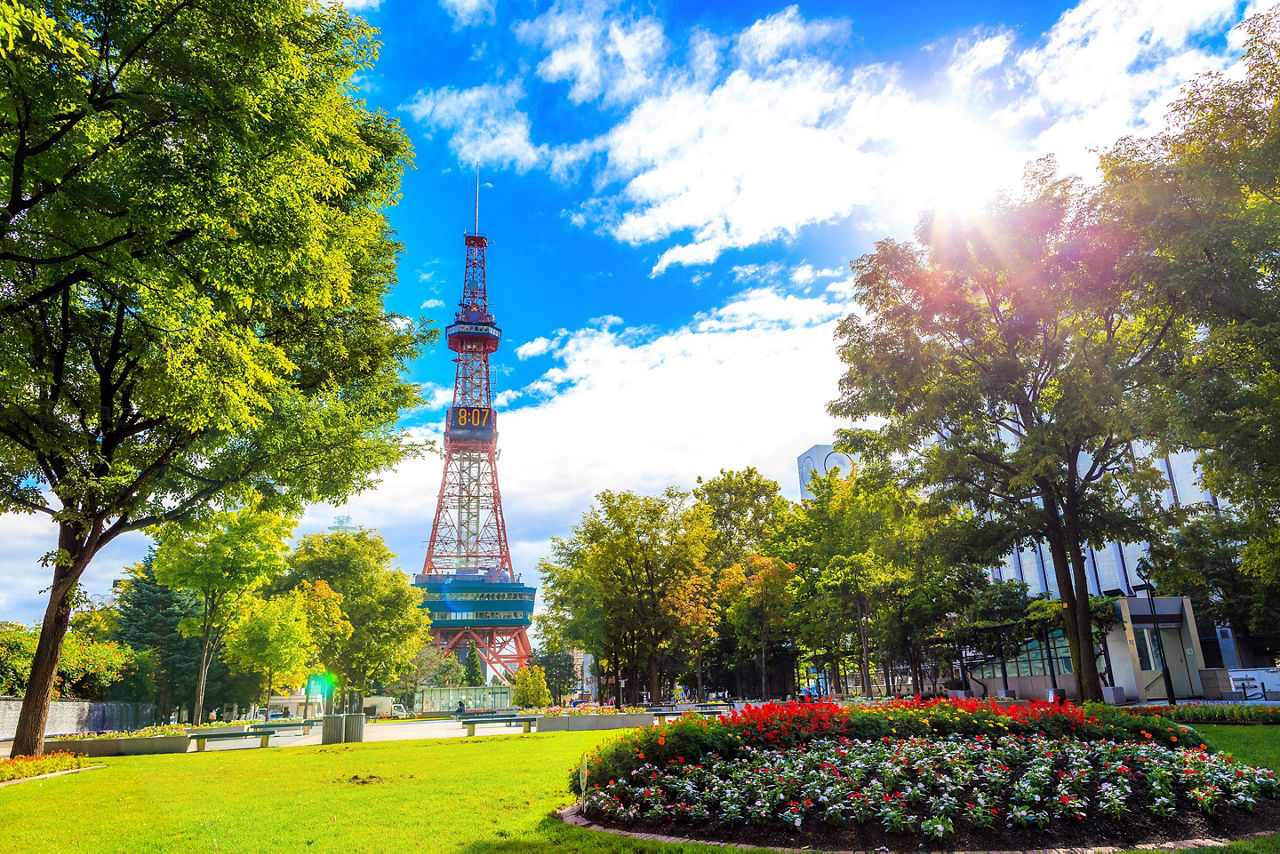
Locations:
(493, 794)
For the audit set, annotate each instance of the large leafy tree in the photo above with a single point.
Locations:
(388, 625)
(193, 257)
(272, 638)
(759, 598)
(607, 585)
(1015, 356)
(1207, 196)
(742, 508)
(221, 560)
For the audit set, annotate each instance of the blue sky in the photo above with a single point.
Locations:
(673, 192)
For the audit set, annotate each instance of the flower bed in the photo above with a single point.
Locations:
(22, 767)
(930, 787)
(591, 709)
(795, 724)
(923, 771)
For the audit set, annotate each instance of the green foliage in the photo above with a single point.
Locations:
(272, 637)
(743, 507)
(1206, 195)
(221, 560)
(85, 670)
(1013, 356)
(192, 270)
(1203, 713)
(530, 688)
(388, 626)
(607, 586)
(473, 672)
(557, 667)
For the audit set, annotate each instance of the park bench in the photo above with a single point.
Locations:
(201, 737)
(305, 726)
(527, 720)
(482, 716)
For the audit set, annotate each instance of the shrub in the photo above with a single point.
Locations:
(1204, 713)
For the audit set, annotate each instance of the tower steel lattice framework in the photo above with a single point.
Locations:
(476, 600)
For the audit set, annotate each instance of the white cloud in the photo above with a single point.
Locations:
(483, 124)
(362, 5)
(768, 40)
(468, 13)
(744, 384)
(536, 347)
(747, 138)
(973, 58)
(806, 273)
(432, 303)
(595, 50)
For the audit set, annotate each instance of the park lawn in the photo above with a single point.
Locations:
(491, 794)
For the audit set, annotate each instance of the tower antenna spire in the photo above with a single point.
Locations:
(477, 231)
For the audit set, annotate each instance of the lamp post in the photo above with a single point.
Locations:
(1155, 628)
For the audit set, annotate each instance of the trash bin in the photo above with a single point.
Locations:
(353, 727)
(332, 730)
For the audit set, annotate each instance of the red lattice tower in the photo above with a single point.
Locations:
(475, 598)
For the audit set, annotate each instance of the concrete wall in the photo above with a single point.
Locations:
(69, 716)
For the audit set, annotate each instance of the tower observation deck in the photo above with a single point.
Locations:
(477, 602)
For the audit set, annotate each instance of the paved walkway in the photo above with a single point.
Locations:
(388, 731)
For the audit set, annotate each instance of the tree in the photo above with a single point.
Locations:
(328, 626)
(389, 626)
(1014, 356)
(193, 258)
(693, 604)
(150, 614)
(221, 560)
(432, 668)
(473, 672)
(557, 667)
(742, 508)
(1206, 195)
(759, 599)
(271, 637)
(606, 584)
(530, 688)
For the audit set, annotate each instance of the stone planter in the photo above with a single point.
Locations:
(119, 746)
(553, 723)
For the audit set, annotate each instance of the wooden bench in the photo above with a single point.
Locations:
(483, 716)
(201, 738)
(662, 716)
(527, 720)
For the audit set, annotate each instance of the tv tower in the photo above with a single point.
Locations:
(476, 600)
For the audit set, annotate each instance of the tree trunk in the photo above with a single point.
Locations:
(697, 664)
(203, 675)
(28, 738)
(1090, 682)
(866, 658)
(1056, 539)
(655, 683)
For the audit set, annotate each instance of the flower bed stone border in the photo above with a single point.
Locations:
(571, 816)
(97, 747)
(51, 774)
(582, 723)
